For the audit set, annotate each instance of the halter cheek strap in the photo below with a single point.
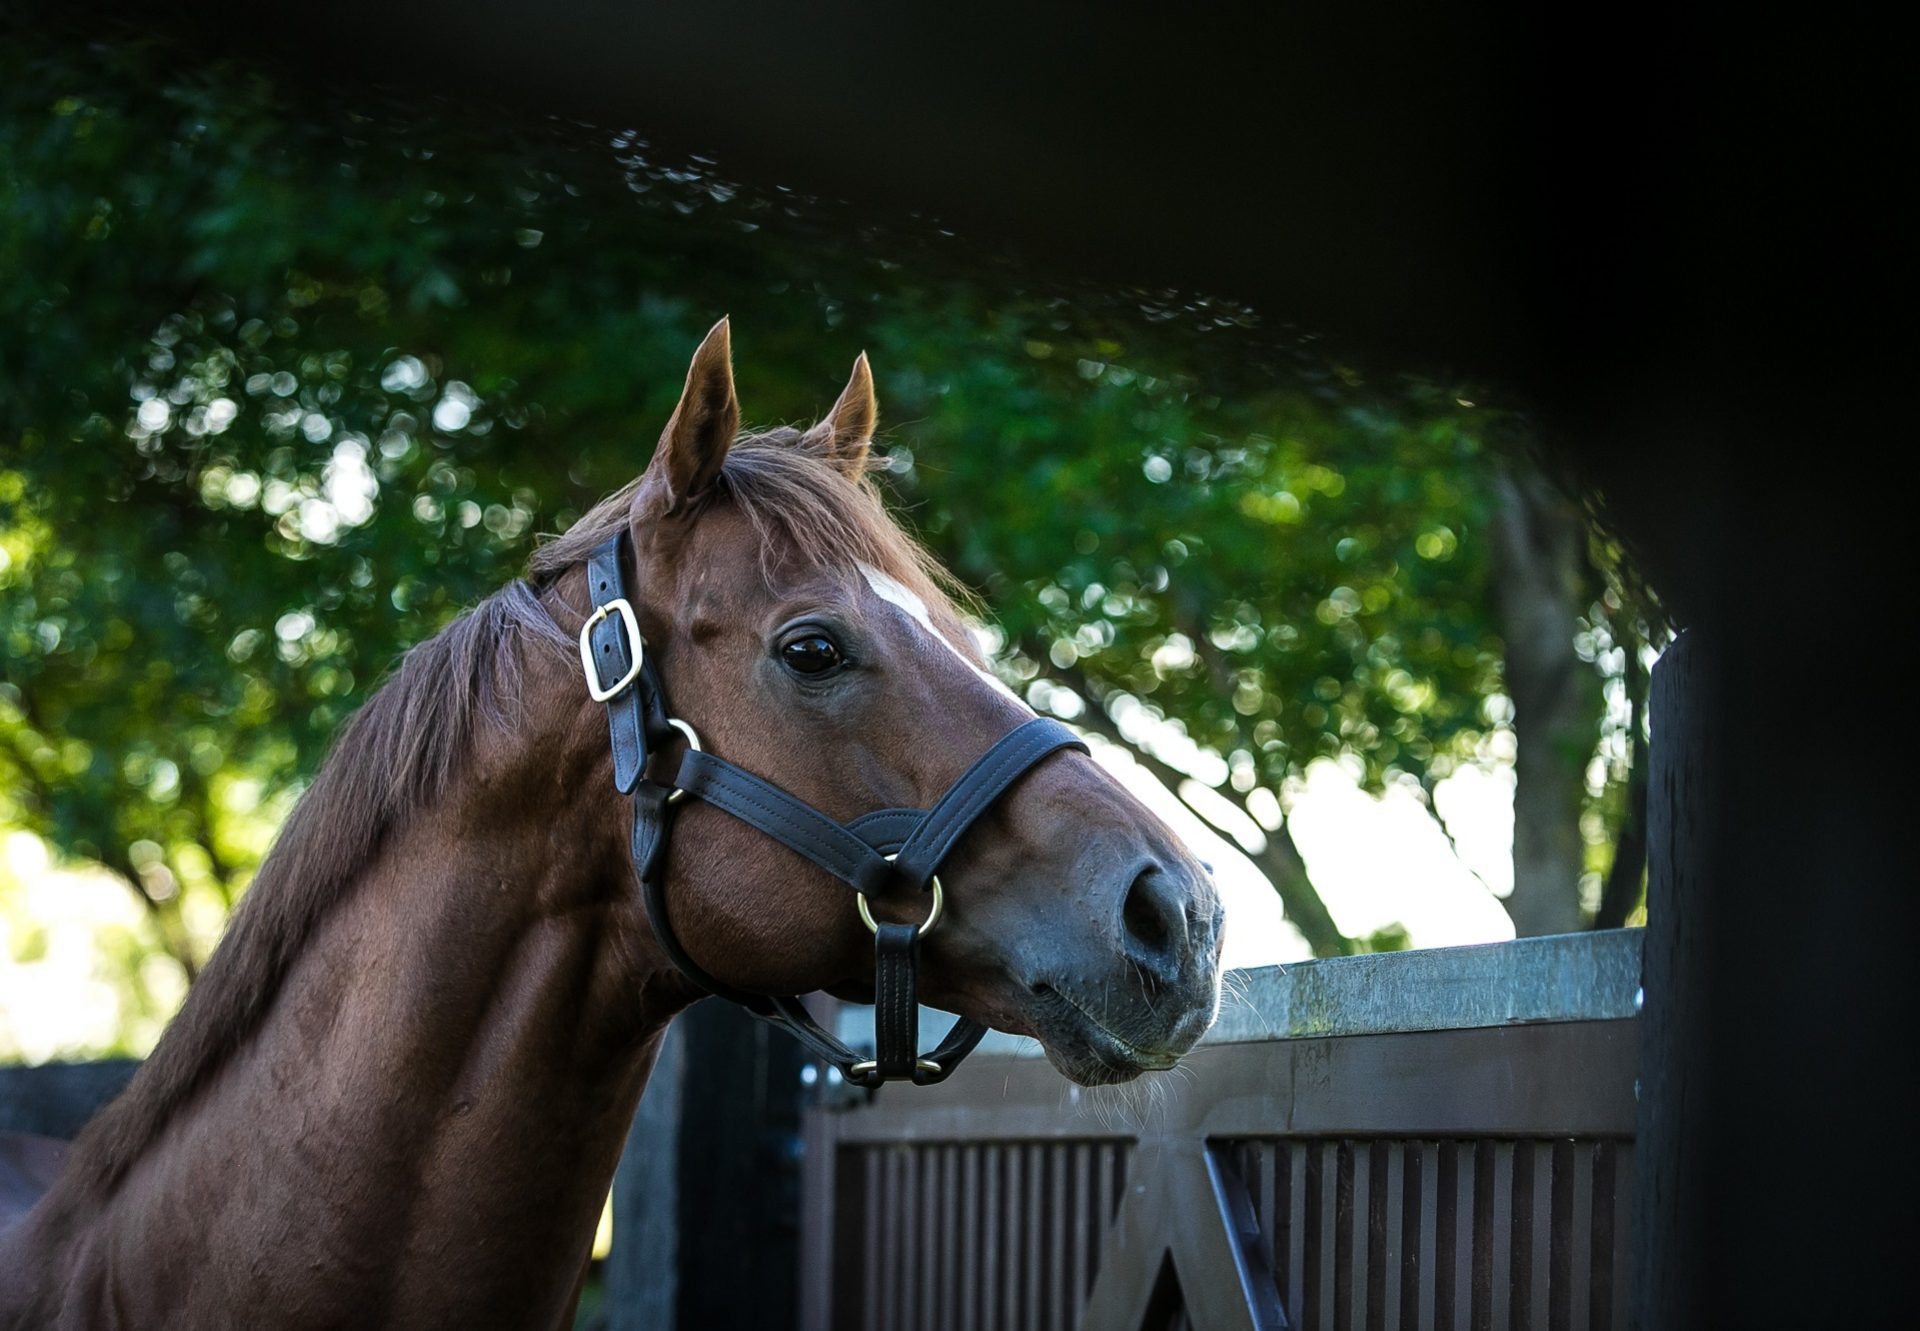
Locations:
(867, 854)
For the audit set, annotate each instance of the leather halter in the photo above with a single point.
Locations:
(867, 854)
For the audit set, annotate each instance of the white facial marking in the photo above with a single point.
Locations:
(892, 591)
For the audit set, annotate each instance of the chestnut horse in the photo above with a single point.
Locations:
(397, 1094)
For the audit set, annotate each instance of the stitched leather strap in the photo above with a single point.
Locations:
(626, 720)
(787, 820)
(974, 793)
(896, 1000)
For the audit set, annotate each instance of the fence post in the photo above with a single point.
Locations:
(1672, 1088)
(706, 1199)
(643, 1269)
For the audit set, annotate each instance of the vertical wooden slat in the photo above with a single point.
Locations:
(951, 1245)
(1263, 1185)
(920, 1276)
(870, 1268)
(926, 1264)
(874, 1259)
(1104, 1173)
(1500, 1240)
(1579, 1264)
(1034, 1271)
(1623, 1201)
(991, 1226)
(1429, 1233)
(1465, 1193)
(1481, 1259)
(967, 1315)
(893, 1188)
(1521, 1303)
(1296, 1232)
(1057, 1238)
(1559, 1310)
(1446, 1241)
(1600, 1288)
(1395, 1227)
(924, 1274)
(1015, 1226)
(1377, 1247)
(1325, 1233)
(1083, 1230)
(903, 1234)
(886, 1203)
(899, 1238)
(1359, 1231)
(1540, 1237)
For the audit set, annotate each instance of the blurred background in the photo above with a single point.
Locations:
(289, 379)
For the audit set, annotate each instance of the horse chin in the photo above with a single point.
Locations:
(1085, 1049)
(1091, 1070)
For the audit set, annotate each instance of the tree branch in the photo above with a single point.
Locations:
(1280, 860)
(166, 917)
(1428, 784)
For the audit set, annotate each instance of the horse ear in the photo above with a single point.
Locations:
(847, 432)
(694, 445)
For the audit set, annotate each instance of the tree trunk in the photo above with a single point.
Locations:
(1287, 871)
(168, 926)
(1539, 557)
(1626, 880)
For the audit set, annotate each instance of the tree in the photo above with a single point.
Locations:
(287, 385)
(1540, 573)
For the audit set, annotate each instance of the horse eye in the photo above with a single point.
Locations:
(811, 655)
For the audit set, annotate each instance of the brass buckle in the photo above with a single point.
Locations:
(636, 648)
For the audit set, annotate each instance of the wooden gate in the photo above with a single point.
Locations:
(1438, 1139)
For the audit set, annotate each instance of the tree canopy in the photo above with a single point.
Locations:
(286, 382)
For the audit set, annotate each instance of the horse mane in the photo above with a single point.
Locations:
(394, 758)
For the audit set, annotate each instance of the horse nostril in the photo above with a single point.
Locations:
(1155, 917)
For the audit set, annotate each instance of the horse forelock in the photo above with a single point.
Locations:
(803, 508)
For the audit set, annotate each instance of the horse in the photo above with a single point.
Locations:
(396, 1095)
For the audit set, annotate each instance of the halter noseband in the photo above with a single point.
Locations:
(868, 853)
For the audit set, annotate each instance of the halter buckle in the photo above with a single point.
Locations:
(636, 648)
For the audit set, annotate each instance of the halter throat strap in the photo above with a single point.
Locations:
(868, 854)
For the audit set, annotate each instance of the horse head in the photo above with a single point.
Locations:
(808, 640)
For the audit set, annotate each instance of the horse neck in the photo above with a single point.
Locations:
(439, 1094)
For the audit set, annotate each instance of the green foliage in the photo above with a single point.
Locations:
(287, 385)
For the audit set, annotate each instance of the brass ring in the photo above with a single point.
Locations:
(693, 742)
(933, 915)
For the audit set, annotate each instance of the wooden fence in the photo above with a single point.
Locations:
(1436, 1139)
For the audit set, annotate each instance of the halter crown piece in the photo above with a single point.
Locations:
(867, 854)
